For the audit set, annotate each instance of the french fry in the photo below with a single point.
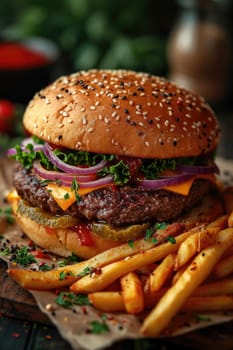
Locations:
(194, 244)
(230, 220)
(172, 301)
(212, 303)
(111, 272)
(220, 287)
(107, 301)
(132, 293)
(178, 274)
(160, 274)
(228, 199)
(114, 302)
(45, 280)
(220, 222)
(224, 267)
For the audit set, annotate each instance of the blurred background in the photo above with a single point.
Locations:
(188, 41)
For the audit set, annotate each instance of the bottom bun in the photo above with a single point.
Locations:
(61, 241)
(64, 241)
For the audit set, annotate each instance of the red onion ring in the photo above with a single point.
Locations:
(198, 169)
(96, 183)
(36, 147)
(166, 181)
(75, 170)
(11, 152)
(55, 175)
(28, 140)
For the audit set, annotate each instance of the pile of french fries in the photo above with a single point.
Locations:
(194, 273)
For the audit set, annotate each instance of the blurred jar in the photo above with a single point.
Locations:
(199, 48)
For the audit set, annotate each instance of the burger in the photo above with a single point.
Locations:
(110, 156)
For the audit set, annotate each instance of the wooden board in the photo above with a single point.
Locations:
(17, 302)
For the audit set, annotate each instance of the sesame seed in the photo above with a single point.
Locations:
(82, 109)
(92, 108)
(78, 144)
(60, 125)
(114, 114)
(140, 124)
(147, 144)
(84, 120)
(89, 130)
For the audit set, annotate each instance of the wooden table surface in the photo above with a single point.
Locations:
(24, 327)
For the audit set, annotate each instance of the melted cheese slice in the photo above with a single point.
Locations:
(185, 187)
(64, 197)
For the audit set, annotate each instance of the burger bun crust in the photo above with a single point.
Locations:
(122, 112)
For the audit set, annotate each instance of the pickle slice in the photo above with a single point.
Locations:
(123, 233)
(45, 218)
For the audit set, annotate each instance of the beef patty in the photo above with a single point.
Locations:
(123, 205)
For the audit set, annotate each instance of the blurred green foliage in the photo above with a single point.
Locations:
(95, 33)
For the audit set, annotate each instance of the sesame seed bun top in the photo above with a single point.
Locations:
(122, 112)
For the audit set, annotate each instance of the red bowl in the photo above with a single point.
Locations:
(19, 83)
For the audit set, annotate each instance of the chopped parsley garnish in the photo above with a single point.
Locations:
(44, 267)
(66, 196)
(161, 225)
(149, 233)
(99, 327)
(202, 317)
(67, 299)
(131, 243)
(23, 257)
(5, 252)
(74, 188)
(86, 271)
(7, 213)
(171, 239)
(154, 240)
(63, 275)
(69, 260)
